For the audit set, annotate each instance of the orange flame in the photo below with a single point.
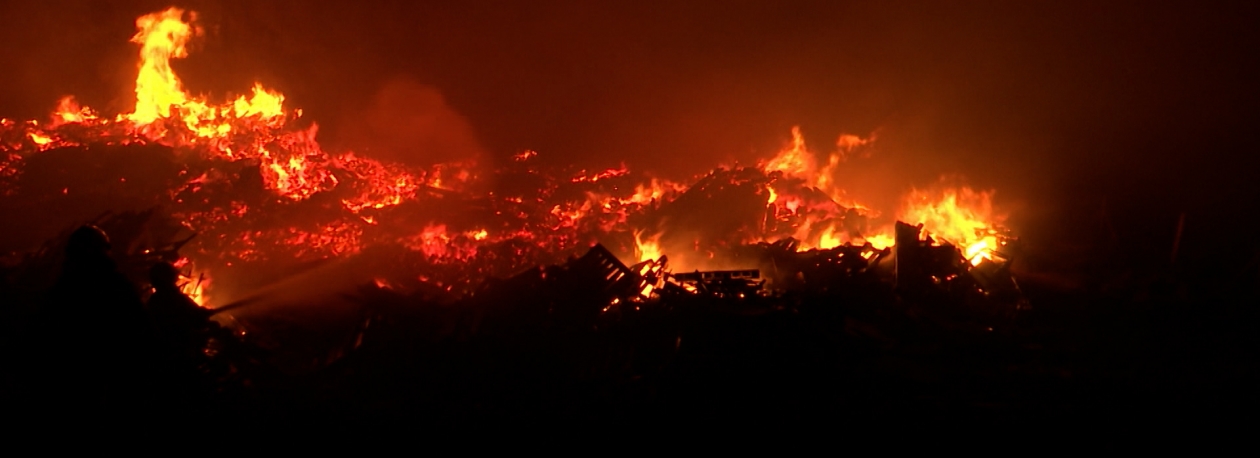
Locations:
(652, 191)
(68, 111)
(649, 249)
(794, 160)
(294, 166)
(960, 216)
(195, 284)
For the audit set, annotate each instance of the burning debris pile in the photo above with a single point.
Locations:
(298, 278)
(242, 198)
(263, 196)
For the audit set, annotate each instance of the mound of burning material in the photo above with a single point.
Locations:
(249, 237)
(266, 201)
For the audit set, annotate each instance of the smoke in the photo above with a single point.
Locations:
(411, 123)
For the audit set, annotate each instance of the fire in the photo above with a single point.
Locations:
(40, 139)
(162, 36)
(160, 94)
(442, 245)
(961, 216)
(322, 205)
(524, 155)
(795, 160)
(68, 111)
(649, 249)
(653, 191)
(879, 240)
(382, 185)
(819, 223)
(264, 104)
(194, 284)
(610, 173)
(958, 215)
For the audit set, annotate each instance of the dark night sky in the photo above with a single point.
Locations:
(1059, 105)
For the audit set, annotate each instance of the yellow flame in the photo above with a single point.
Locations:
(879, 241)
(265, 104)
(647, 250)
(961, 216)
(164, 36)
(161, 36)
(40, 139)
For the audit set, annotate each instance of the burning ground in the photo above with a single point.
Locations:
(345, 264)
(249, 178)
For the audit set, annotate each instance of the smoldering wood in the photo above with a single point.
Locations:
(587, 318)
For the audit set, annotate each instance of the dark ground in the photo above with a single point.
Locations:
(1124, 347)
(1118, 332)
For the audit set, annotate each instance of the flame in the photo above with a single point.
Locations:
(815, 223)
(961, 216)
(195, 283)
(264, 104)
(846, 145)
(653, 191)
(606, 174)
(439, 244)
(441, 176)
(68, 111)
(649, 249)
(524, 155)
(794, 160)
(363, 200)
(160, 94)
(40, 139)
(879, 241)
(162, 36)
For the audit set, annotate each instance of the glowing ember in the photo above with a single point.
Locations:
(257, 188)
(195, 285)
(68, 112)
(610, 173)
(654, 191)
(39, 139)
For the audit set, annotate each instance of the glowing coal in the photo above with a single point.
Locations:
(267, 201)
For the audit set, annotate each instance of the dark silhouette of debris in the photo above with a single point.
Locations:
(92, 329)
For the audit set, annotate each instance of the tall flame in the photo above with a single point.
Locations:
(162, 36)
(647, 249)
